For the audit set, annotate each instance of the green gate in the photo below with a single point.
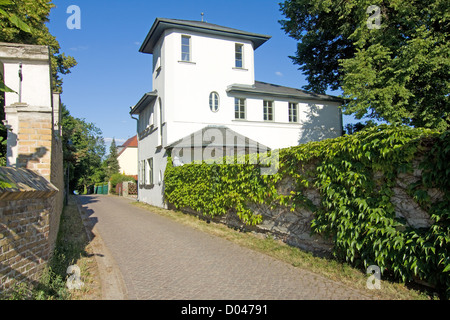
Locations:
(101, 188)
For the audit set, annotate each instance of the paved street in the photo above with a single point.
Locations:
(161, 259)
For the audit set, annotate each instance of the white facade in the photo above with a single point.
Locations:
(128, 161)
(191, 61)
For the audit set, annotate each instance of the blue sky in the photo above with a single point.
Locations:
(112, 75)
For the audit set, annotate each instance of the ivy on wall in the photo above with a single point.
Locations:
(355, 175)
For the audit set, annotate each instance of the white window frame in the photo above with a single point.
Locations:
(268, 105)
(214, 101)
(189, 46)
(293, 112)
(142, 172)
(240, 108)
(149, 171)
(161, 122)
(236, 52)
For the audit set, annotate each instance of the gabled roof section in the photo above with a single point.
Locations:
(207, 136)
(144, 102)
(130, 143)
(273, 90)
(161, 24)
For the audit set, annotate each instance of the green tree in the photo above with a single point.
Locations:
(112, 164)
(396, 70)
(84, 149)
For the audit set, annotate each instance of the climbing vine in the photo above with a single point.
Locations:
(355, 175)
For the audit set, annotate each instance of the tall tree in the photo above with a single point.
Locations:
(112, 164)
(84, 149)
(396, 69)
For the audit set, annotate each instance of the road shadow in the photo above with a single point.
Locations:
(89, 221)
(112, 284)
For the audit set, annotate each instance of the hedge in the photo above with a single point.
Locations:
(356, 209)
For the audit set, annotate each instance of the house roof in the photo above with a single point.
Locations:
(162, 24)
(130, 143)
(207, 138)
(144, 102)
(273, 90)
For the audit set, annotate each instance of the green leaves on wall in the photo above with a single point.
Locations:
(355, 175)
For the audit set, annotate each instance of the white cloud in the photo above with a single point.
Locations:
(118, 141)
(278, 73)
(79, 48)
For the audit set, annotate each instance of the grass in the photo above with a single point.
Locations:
(72, 248)
(331, 269)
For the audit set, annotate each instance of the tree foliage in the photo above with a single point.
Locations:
(83, 151)
(399, 72)
(112, 164)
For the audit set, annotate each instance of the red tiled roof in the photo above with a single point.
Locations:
(132, 142)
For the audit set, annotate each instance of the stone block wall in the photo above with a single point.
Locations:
(294, 227)
(26, 212)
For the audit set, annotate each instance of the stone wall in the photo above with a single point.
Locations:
(27, 210)
(294, 227)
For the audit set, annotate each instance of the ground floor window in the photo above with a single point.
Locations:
(293, 112)
(239, 108)
(268, 110)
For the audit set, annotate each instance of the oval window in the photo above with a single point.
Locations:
(214, 101)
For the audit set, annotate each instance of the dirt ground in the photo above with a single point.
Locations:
(103, 280)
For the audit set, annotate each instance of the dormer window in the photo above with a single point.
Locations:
(239, 55)
(185, 48)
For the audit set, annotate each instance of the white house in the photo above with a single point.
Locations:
(128, 157)
(204, 77)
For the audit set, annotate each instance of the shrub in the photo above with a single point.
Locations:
(118, 178)
(355, 210)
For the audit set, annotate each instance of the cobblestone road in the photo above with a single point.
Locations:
(161, 259)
